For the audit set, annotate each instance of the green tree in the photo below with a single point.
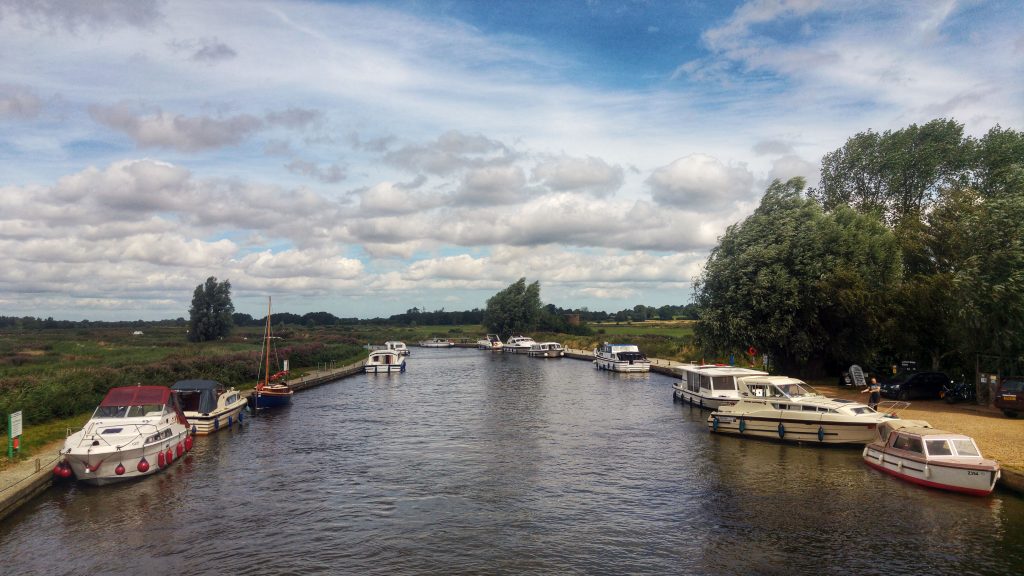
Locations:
(210, 314)
(514, 310)
(796, 283)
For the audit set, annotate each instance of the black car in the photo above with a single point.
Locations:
(909, 385)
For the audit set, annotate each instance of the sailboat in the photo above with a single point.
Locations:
(271, 389)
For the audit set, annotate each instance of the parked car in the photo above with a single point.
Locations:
(1010, 396)
(909, 385)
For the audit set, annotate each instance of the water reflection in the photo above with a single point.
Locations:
(476, 462)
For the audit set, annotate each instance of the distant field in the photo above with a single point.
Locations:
(672, 328)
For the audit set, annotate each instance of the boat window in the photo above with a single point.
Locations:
(112, 430)
(757, 390)
(939, 447)
(111, 412)
(724, 382)
(780, 406)
(909, 443)
(810, 408)
(693, 381)
(705, 382)
(965, 447)
(861, 410)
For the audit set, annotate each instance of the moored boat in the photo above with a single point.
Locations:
(134, 432)
(490, 342)
(384, 361)
(396, 346)
(437, 343)
(913, 451)
(710, 385)
(783, 408)
(518, 344)
(621, 358)
(209, 405)
(547, 350)
(272, 390)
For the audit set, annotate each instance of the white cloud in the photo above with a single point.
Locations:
(700, 182)
(180, 132)
(565, 173)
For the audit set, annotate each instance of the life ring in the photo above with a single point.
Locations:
(752, 351)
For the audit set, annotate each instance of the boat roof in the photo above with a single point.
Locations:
(197, 385)
(765, 379)
(920, 427)
(720, 370)
(136, 396)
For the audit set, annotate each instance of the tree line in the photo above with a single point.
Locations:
(911, 247)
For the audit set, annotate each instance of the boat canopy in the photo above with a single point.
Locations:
(136, 396)
(912, 426)
(208, 390)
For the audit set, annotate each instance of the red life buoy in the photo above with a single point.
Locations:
(752, 351)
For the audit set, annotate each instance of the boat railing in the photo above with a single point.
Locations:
(892, 407)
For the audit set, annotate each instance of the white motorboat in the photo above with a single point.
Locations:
(437, 343)
(710, 385)
(786, 408)
(518, 344)
(490, 342)
(621, 358)
(134, 432)
(547, 350)
(396, 346)
(384, 361)
(912, 450)
(209, 405)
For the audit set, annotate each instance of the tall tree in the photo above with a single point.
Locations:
(210, 314)
(796, 283)
(514, 310)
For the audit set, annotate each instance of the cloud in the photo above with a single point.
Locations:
(180, 132)
(18, 102)
(95, 14)
(329, 174)
(389, 198)
(295, 118)
(700, 182)
(493, 185)
(451, 152)
(790, 165)
(566, 173)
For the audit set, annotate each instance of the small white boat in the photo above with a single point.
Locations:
(490, 342)
(396, 346)
(783, 408)
(912, 450)
(710, 385)
(547, 350)
(384, 361)
(208, 405)
(621, 358)
(437, 343)
(134, 432)
(518, 344)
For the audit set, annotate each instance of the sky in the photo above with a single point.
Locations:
(366, 158)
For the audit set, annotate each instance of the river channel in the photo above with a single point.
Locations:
(476, 462)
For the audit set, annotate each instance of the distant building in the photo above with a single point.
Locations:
(573, 319)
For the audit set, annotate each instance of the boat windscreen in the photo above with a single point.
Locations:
(965, 447)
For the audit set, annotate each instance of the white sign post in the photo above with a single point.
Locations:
(13, 433)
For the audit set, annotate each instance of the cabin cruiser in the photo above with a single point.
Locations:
(134, 432)
(384, 361)
(396, 346)
(490, 342)
(209, 405)
(547, 350)
(436, 343)
(518, 344)
(620, 358)
(710, 385)
(912, 450)
(786, 408)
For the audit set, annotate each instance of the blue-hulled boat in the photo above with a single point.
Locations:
(272, 391)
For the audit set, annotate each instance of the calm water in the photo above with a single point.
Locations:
(481, 463)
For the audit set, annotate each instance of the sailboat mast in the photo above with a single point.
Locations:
(266, 344)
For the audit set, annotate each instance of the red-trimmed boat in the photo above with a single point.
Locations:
(272, 390)
(912, 450)
(134, 432)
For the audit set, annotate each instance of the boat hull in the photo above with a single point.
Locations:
(708, 402)
(384, 368)
(547, 354)
(622, 366)
(204, 424)
(974, 480)
(272, 398)
(793, 429)
(97, 465)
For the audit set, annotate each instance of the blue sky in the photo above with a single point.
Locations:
(363, 158)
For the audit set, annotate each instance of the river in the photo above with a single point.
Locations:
(476, 462)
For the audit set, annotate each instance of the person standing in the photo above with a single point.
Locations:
(876, 393)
